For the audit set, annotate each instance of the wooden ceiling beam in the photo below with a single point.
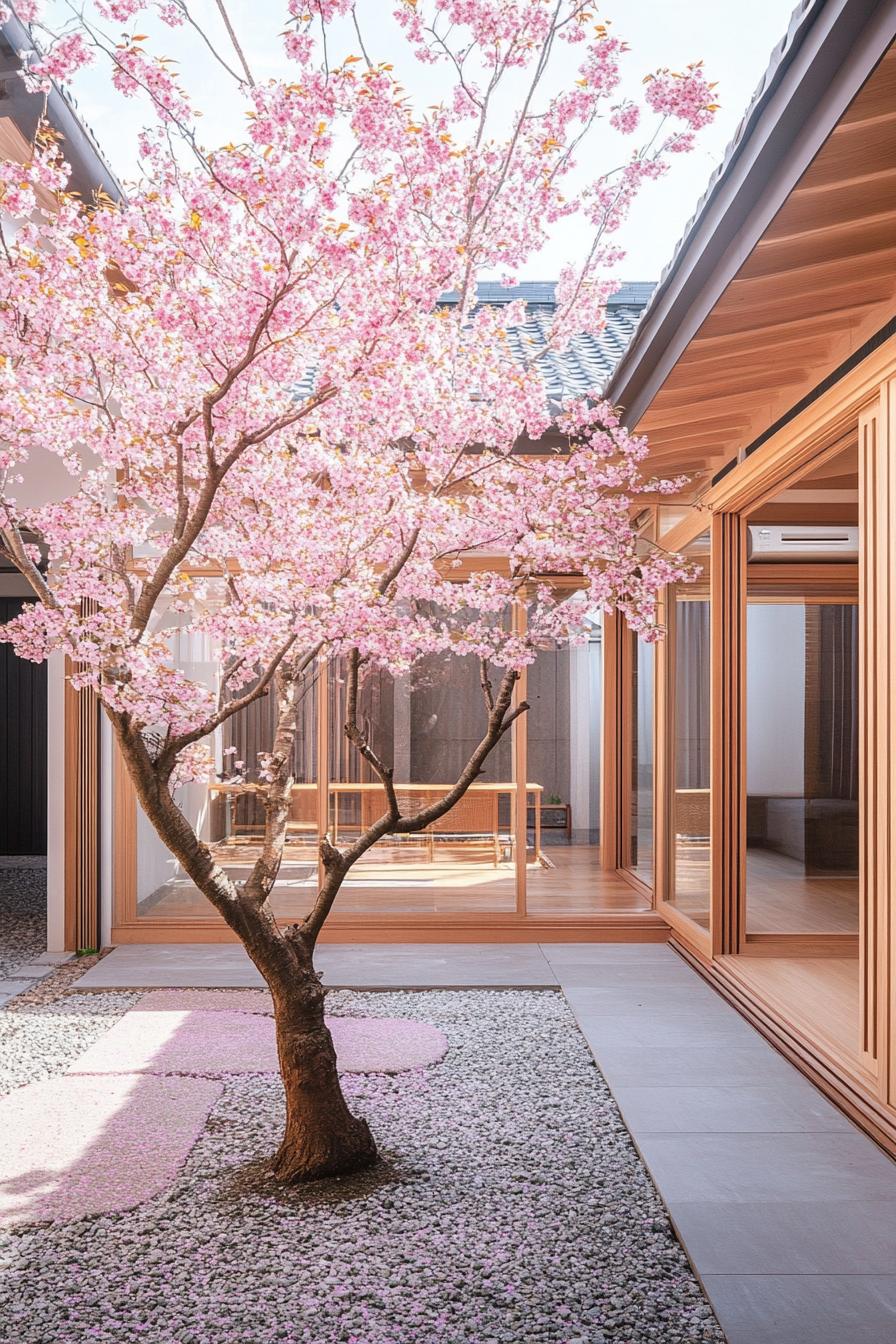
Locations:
(803, 282)
(842, 301)
(854, 148)
(870, 179)
(827, 244)
(775, 335)
(743, 378)
(693, 372)
(711, 416)
(826, 207)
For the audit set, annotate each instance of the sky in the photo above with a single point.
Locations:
(734, 41)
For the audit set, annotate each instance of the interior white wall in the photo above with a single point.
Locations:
(45, 478)
(585, 735)
(644, 707)
(776, 698)
(197, 657)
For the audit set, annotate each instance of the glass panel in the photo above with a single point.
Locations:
(426, 725)
(563, 871)
(802, 767)
(690, 746)
(641, 815)
(227, 812)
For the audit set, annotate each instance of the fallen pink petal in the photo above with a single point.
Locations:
(220, 1041)
(75, 1146)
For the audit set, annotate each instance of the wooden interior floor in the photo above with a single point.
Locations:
(780, 897)
(817, 995)
(401, 880)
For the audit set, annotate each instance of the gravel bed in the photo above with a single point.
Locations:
(23, 916)
(511, 1207)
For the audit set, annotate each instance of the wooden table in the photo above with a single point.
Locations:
(339, 788)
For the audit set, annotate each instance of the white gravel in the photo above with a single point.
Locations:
(511, 1207)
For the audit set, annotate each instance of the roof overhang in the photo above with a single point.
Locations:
(790, 263)
(22, 110)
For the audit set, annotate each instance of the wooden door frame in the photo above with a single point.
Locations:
(627, 711)
(696, 938)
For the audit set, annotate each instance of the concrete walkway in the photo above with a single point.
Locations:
(786, 1210)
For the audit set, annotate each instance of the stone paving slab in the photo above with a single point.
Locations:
(786, 1210)
(343, 966)
(805, 1308)
(827, 1236)
(10, 987)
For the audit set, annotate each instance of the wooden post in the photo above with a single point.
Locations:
(877, 717)
(727, 604)
(519, 741)
(625, 711)
(82, 815)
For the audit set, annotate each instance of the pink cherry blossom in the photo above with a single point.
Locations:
(283, 442)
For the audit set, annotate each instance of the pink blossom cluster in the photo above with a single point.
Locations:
(283, 440)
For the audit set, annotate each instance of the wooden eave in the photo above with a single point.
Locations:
(802, 277)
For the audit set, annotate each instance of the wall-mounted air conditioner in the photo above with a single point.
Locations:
(802, 541)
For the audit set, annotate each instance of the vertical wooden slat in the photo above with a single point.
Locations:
(124, 842)
(877, 715)
(82, 816)
(519, 731)
(727, 736)
(662, 775)
(613, 627)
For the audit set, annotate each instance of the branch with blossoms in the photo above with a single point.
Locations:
(288, 422)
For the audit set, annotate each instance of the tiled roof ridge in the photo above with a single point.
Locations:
(634, 293)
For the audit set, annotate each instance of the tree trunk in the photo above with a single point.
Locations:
(322, 1137)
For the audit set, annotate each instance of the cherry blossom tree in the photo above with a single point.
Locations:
(281, 436)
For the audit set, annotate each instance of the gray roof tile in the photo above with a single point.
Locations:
(587, 364)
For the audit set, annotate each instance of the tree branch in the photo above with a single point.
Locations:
(338, 862)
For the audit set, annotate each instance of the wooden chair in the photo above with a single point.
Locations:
(302, 817)
(691, 816)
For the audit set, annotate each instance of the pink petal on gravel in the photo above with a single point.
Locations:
(206, 1000)
(199, 1042)
(79, 1146)
(183, 1042)
(385, 1044)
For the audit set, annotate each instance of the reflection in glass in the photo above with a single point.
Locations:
(226, 810)
(802, 767)
(690, 886)
(641, 836)
(426, 724)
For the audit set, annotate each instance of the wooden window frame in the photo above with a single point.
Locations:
(128, 925)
